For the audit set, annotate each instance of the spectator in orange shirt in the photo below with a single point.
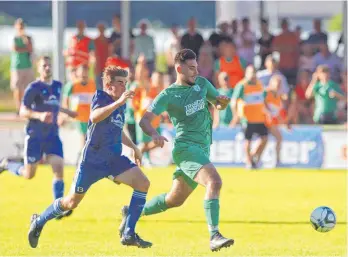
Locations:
(101, 54)
(288, 46)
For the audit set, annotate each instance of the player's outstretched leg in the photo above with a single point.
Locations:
(135, 178)
(13, 165)
(56, 209)
(209, 177)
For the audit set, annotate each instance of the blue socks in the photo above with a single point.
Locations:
(58, 189)
(51, 212)
(135, 209)
(15, 168)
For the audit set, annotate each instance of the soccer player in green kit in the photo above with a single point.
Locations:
(186, 102)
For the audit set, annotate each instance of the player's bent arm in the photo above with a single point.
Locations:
(102, 113)
(310, 89)
(27, 113)
(145, 124)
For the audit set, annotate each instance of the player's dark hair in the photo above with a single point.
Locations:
(111, 72)
(184, 55)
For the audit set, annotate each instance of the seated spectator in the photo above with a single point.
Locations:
(306, 61)
(325, 57)
(303, 106)
(326, 94)
(206, 61)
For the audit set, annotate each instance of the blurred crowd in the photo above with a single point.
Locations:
(222, 58)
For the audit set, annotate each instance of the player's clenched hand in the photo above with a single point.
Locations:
(126, 95)
(159, 140)
(138, 156)
(222, 102)
(46, 117)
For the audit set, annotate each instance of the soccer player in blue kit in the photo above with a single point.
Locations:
(41, 106)
(102, 158)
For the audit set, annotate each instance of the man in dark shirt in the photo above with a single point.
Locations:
(192, 39)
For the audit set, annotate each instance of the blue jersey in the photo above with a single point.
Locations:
(41, 97)
(105, 136)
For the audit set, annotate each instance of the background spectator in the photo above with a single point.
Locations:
(230, 62)
(144, 44)
(234, 30)
(326, 94)
(216, 37)
(306, 61)
(21, 63)
(287, 44)
(173, 46)
(342, 104)
(317, 37)
(101, 54)
(325, 57)
(192, 39)
(206, 61)
(265, 42)
(246, 42)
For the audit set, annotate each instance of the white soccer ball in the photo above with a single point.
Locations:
(323, 219)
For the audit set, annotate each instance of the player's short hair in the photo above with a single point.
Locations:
(184, 55)
(111, 72)
(82, 66)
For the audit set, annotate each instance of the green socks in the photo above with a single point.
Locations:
(155, 205)
(211, 209)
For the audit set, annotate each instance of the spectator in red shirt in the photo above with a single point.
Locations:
(101, 54)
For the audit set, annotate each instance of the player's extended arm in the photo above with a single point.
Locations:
(235, 119)
(102, 113)
(220, 101)
(145, 124)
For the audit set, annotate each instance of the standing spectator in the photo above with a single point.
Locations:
(317, 37)
(306, 61)
(287, 44)
(303, 107)
(325, 57)
(21, 64)
(265, 42)
(144, 44)
(206, 61)
(173, 46)
(216, 37)
(80, 48)
(230, 62)
(246, 42)
(192, 39)
(342, 104)
(115, 38)
(101, 54)
(326, 94)
(223, 118)
(272, 69)
(234, 30)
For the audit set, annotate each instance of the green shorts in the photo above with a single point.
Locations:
(141, 136)
(82, 127)
(189, 158)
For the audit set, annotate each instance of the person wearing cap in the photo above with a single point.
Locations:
(21, 64)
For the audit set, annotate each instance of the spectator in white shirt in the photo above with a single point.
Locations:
(172, 47)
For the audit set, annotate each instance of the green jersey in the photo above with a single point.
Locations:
(324, 104)
(20, 61)
(187, 107)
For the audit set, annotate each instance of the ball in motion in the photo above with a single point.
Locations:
(323, 219)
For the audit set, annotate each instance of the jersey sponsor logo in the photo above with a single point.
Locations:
(118, 120)
(52, 100)
(196, 88)
(254, 98)
(194, 107)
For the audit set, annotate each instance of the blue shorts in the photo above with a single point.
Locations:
(34, 148)
(90, 172)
